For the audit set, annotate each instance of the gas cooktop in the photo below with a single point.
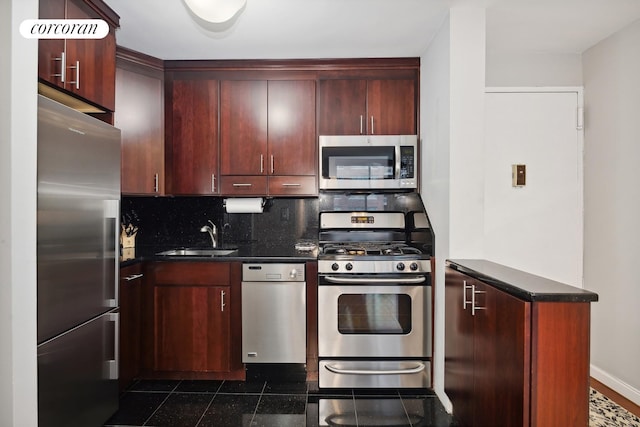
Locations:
(369, 249)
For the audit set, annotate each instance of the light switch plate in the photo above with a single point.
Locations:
(518, 175)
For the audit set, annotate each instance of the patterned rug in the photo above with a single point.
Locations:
(603, 412)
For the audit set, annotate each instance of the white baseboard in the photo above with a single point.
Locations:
(617, 385)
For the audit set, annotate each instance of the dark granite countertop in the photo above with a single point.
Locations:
(259, 252)
(523, 285)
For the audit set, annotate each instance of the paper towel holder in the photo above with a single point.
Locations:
(263, 203)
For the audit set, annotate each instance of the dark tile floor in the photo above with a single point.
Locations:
(236, 403)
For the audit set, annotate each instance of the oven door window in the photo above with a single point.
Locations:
(364, 163)
(367, 314)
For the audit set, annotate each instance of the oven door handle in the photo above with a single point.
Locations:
(355, 280)
(413, 370)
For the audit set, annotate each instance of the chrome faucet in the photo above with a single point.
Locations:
(213, 233)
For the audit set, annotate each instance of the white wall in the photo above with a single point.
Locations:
(533, 69)
(612, 206)
(18, 114)
(467, 74)
(537, 228)
(452, 123)
(434, 119)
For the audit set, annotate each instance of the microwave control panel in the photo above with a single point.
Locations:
(407, 160)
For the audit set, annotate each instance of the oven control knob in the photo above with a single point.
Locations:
(413, 266)
(349, 266)
(400, 266)
(335, 266)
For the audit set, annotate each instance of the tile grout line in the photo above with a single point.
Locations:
(162, 403)
(355, 410)
(406, 413)
(210, 403)
(255, 411)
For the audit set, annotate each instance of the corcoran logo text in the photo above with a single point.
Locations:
(64, 28)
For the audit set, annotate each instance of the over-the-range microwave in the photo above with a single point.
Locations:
(380, 162)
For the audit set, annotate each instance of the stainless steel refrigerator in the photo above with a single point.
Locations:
(78, 254)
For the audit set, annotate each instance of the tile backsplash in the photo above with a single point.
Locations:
(176, 221)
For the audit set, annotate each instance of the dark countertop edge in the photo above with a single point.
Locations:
(521, 284)
(160, 258)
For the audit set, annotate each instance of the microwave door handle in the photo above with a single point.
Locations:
(398, 162)
(356, 280)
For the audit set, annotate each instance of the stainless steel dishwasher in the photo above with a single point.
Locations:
(274, 327)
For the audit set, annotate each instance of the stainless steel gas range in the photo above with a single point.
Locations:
(374, 292)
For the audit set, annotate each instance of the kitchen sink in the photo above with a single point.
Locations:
(198, 252)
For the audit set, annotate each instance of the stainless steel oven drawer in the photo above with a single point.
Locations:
(374, 374)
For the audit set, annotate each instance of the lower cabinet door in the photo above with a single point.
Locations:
(131, 282)
(459, 340)
(487, 353)
(192, 327)
(502, 354)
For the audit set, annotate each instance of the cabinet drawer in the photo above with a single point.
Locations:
(192, 273)
(243, 185)
(293, 185)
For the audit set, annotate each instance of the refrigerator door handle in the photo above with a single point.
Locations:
(112, 368)
(112, 226)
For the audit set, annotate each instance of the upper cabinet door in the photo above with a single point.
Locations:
(391, 107)
(367, 107)
(51, 51)
(343, 107)
(292, 127)
(193, 151)
(84, 67)
(243, 127)
(139, 112)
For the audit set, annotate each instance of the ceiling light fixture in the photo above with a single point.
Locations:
(216, 11)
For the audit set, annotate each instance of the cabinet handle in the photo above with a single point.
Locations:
(465, 287)
(293, 184)
(261, 163)
(372, 131)
(361, 123)
(272, 164)
(155, 182)
(222, 304)
(133, 277)
(242, 184)
(63, 67)
(473, 300)
(213, 182)
(77, 80)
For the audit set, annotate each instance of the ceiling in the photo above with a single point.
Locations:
(297, 29)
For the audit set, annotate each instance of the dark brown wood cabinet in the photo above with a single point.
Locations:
(82, 67)
(131, 289)
(192, 328)
(266, 115)
(267, 130)
(192, 143)
(243, 127)
(487, 353)
(195, 316)
(292, 127)
(367, 107)
(513, 362)
(139, 116)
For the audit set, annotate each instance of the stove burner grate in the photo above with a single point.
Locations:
(363, 249)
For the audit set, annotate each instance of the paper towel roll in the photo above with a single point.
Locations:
(244, 205)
